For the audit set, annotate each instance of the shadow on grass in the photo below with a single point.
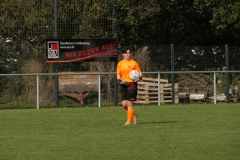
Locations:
(160, 122)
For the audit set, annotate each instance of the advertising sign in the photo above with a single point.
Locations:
(76, 50)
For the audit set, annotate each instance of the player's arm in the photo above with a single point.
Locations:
(139, 70)
(137, 67)
(120, 80)
(118, 72)
(140, 73)
(118, 76)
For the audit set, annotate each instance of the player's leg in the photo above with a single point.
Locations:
(124, 104)
(131, 96)
(123, 91)
(130, 113)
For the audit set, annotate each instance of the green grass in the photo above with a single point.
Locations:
(168, 132)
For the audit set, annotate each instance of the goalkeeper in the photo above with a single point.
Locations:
(128, 87)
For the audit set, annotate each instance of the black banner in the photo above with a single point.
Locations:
(75, 50)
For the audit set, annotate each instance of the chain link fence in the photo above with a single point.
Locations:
(26, 25)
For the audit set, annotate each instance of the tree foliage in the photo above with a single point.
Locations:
(182, 22)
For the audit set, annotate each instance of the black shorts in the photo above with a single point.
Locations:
(129, 91)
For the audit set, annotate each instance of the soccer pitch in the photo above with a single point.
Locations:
(168, 132)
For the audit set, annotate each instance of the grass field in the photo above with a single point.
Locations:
(168, 132)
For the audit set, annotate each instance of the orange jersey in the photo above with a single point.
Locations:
(125, 67)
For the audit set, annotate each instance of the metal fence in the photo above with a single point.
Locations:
(22, 41)
(41, 92)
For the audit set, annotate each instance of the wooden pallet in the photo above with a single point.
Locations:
(148, 91)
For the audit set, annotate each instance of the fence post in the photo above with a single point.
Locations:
(214, 88)
(99, 90)
(172, 69)
(37, 91)
(159, 90)
(115, 85)
(227, 74)
(56, 66)
(114, 29)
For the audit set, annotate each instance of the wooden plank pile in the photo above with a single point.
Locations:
(148, 91)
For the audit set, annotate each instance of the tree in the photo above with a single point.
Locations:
(226, 20)
(144, 22)
(182, 22)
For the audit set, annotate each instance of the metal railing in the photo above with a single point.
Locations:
(113, 73)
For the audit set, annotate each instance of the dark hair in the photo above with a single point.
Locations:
(124, 50)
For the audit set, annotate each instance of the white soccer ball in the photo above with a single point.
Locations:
(134, 75)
